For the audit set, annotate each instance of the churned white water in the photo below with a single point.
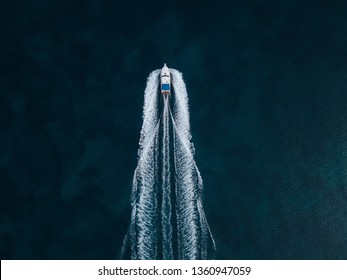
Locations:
(167, 218)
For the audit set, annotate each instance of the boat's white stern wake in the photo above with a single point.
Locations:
(167, 218)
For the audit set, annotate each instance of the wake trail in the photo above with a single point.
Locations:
(167, 218)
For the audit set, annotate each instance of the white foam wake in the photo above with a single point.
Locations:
(156, 230)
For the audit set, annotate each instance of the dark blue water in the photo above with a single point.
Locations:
(267, 82)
